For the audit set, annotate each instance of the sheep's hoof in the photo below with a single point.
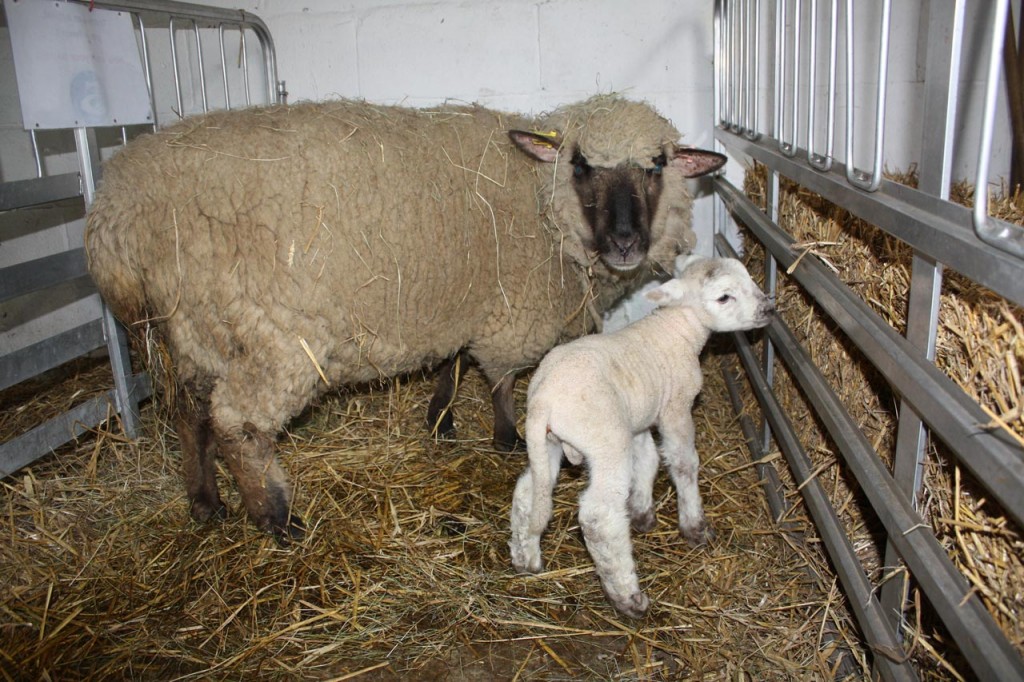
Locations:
(506, 443)
(643, 522)
(293, 531)
(202, 510)
(700, 534)
(443, 429)
(633, 606)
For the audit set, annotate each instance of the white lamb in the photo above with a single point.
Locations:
(597, 399)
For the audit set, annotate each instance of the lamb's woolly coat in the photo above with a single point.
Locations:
(597, 398)
(284, 249)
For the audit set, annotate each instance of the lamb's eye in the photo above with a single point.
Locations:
(659, 164)
(724, 298)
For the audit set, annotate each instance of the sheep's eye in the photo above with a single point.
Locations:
(659, 164)
(580, 167)
(724, 298)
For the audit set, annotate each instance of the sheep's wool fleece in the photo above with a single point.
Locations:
(282, 249)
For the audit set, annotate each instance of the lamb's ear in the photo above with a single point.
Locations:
(685, 261)
(542, 146)
(668, 293)
(696, 162)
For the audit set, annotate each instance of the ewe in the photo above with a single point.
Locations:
(597, 398)
(282, 251)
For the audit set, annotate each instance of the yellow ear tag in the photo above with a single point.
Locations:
(551, 134)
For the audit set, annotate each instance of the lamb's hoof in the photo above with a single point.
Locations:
(633, 606)
(698, 535)
(202, 510)
(293, 531)
(526, 561)
(644, 521)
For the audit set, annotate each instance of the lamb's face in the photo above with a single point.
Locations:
(729, 297)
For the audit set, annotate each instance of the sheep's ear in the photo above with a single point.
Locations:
(667, 293)
(542, 146)
(696, 162)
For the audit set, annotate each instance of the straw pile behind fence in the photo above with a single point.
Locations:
(980, 346)
(405, 572)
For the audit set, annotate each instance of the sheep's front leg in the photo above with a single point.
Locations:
(192, 424)
(532, 506)
(680, 454)
(605, 523)
(261, 481)
(641, 489)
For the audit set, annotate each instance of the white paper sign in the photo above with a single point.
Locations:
(76, 67)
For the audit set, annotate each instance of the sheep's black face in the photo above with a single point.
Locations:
(619, 206)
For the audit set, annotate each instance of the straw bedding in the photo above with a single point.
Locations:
(405, 573)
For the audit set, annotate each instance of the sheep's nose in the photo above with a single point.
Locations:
(626, 245)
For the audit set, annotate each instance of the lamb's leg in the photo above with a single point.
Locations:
(605, 523)
(680, 454)
(531, 501)
(440, 418)
(641, 489)
(192, 423)
(249, 453)
(506, 438)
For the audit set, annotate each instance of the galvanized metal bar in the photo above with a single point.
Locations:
(716, 50)
(34, 191)
(245, 72)
(878, 632)
(202, 70)
(992, 457)
(822, 162)
(174, 69)
(224, 66)
(733, 77)
(868, 181)
(938, 229)
(789, 147)
(944, 41)
(998, 233)
(780, 68)
(49, 353)
(740, 54)
(36, 156)
(752, 38)
(147, 66)
(41, 273)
